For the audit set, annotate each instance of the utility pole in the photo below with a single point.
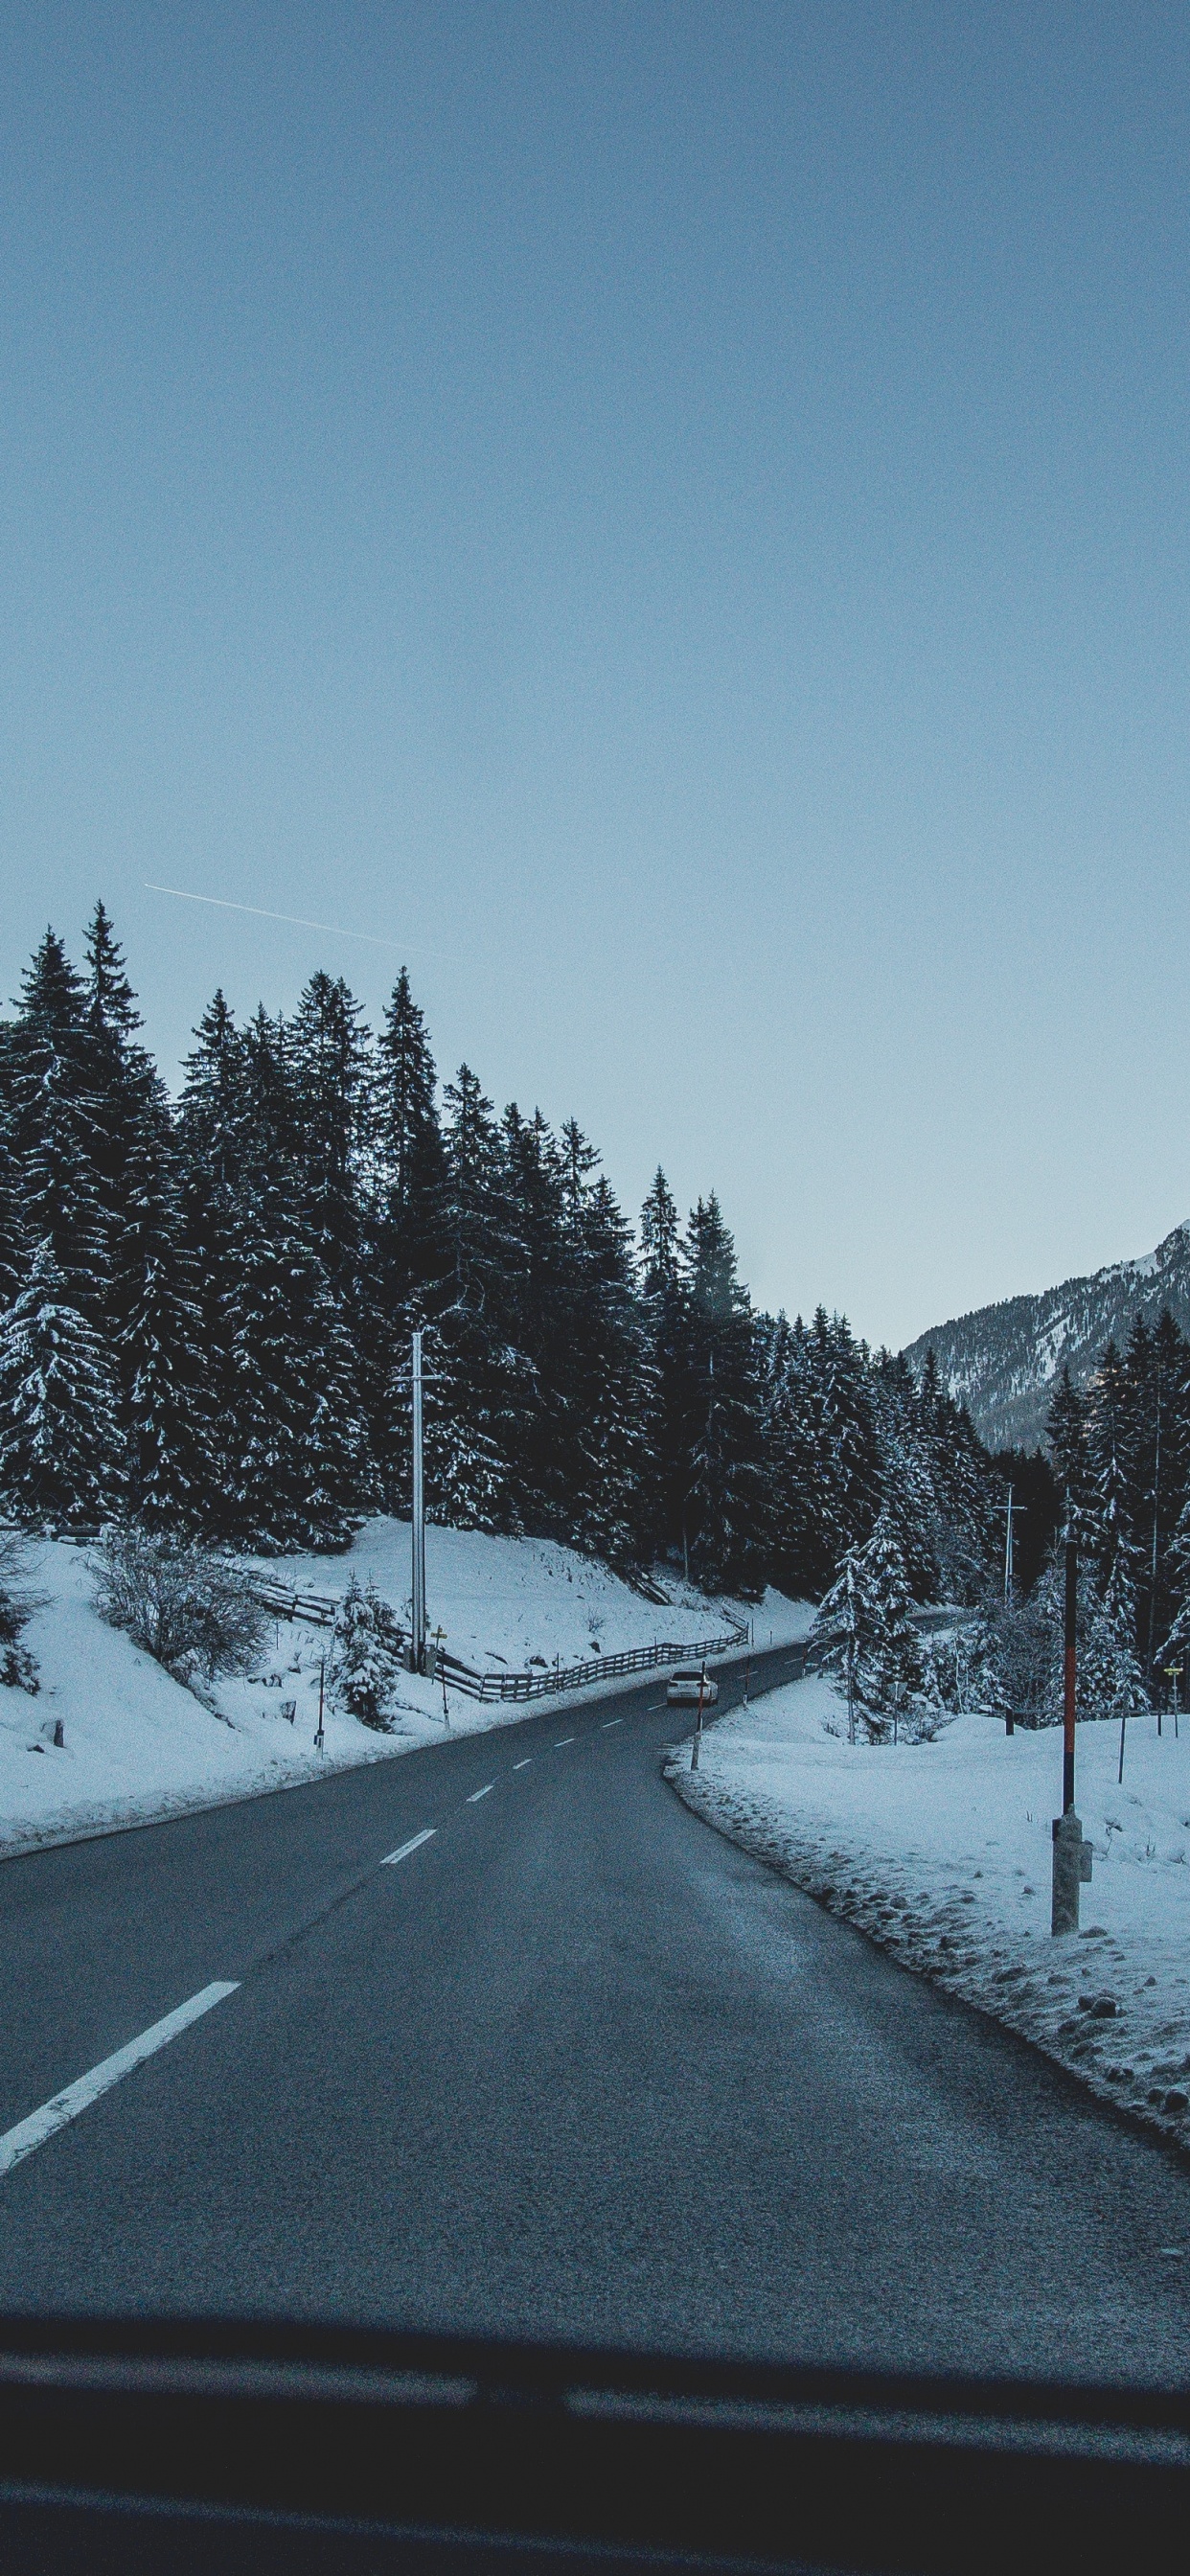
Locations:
(1069, 1671)
(1012, 1509)
(1156, 1523)
(418, 1641)
(1072, 1856)
(850, 1653)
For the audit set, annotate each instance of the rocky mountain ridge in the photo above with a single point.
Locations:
(1002, 1360)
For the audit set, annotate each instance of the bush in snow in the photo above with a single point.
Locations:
(188, 1606)
(365, 1659)
(17, 1666)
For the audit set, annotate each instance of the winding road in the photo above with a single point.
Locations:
(506, 2040)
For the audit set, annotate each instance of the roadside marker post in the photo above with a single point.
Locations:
(696, 1747)
(1173, 1673)
(319, 1738)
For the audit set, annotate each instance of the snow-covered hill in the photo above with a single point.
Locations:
(137, 1745)
(1002, 1360)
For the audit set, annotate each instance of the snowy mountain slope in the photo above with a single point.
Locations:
(941, 1853)
(138, 1747)
(1002, 1360)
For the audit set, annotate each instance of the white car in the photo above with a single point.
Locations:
(682, 1689)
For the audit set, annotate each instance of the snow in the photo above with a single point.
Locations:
(942, 1851)
(139, 1746)
(502, 1600)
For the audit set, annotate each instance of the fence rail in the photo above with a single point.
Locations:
(320, 1610)
(317, 1609)
(546, 1683)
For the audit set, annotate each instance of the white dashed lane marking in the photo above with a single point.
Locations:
(610, 1721)
(414, 1844)
(481, 1793)
(20, 2142)
(523, 1764)
(565, 1739)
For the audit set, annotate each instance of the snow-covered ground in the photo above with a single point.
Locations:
(942, 1853)
(138, 1746)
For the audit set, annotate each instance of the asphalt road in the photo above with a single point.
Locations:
(575, 2066)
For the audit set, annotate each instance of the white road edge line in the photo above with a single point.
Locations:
(40, 2125)
(414, 1844)
(481, 1793)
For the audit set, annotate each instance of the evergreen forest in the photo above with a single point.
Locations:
(207, 1302)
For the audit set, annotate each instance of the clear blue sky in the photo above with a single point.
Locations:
(674, 515)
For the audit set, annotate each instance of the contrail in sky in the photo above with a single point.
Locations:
(295, 920)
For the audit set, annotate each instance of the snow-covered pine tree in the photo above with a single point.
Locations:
(14, 1244)
(610, 1391)
(1107, 1433)
(483, 1376)
(213, 1112)
(295, 1468)
(869, 1607)
(1110, 1680)
(330, 1073)
(1066, 1440)
(59, 1437)
(166, 1406)
(846, 1443)
(544, 1256)
(404, 1260)
(54, 1126)
(127, 1106)
(365, 1663)
(664, 1300)
(725, 1496)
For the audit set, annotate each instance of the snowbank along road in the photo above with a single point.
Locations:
(501, 2037)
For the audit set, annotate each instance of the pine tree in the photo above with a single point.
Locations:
(483, 1378)
(725, 1499)
(14, 1246)
(59, 1442)
(54, 1126)
(664, 1297)
(295, 1465)
(127, 1107)
(364, 1660)
(330, 1081)
(1066, 1439)
(868, 1609)
(611, 1389)
(213, 1112)
(404, 1258)
(1110, 1680)
(166, 1407)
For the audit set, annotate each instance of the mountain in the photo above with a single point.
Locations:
(1002, 1361)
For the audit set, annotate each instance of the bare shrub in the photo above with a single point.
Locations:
(188, 1606)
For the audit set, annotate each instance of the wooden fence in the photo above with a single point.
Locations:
(320, 1609)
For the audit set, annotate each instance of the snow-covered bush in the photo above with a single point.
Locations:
(188, 1606)
(365, 1658)
(18, 1667)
